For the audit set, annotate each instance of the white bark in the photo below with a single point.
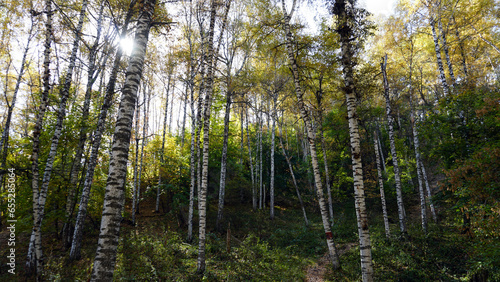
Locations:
(333, 255)
(381, 185)
(114, 197)
(93, 158)
(395, 161)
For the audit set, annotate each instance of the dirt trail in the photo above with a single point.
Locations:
(316, 272)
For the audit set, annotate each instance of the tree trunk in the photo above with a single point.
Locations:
(428, 189)
(162, 154)
(61, 114)
(271, 185)
(222, 185)
(344, 29)
(254, 190)
(423, 209)
(91, 78)
(293, 175)
(211, 66)
(395, 161)
(439, 61)
(31, 257)
(136, 159)
(4, 142)
(93, 158)
(332, 250)
(381, 184)
(446, 51)
(114, 197)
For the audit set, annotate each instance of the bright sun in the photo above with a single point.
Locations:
(127, 44)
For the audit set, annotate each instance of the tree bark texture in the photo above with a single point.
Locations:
(114, 197)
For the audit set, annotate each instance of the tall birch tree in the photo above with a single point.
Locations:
(114, 196)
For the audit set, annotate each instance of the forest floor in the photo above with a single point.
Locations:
(260, 249)
(317, 272)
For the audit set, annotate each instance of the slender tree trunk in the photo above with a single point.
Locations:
(250, 160)
(446, 51)
(31, 257)
(439, 61)
(381, 151)
(260, 157)
(423, 209)
(114, 197)
(211, 66)
(381, 185)
(293, 175)
(344, 29)
(428, 189)
(162, 154)
(101, 122)
(136, 159)
(271, 185)
(222, 185)
(61, 114)
(143, 143)
(332, 250)
(91, 78)
(4, 142)
(395, 161)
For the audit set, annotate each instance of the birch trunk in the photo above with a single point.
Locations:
(222, 185)
(4, 142)
(381, 185)
(211, 66)
(162, 154)
(136, 159)
(143, 143)
(423, 209)
(31, 257)
(395, 161)
(61, 114)
(446, 51)
(332, 250)
(271, 185)
(293, 175)
(344, 29)
(91, 78)
(254, 190)
(428, 189)
(93, 158)
(114, 197)
(260, 157)
(439, 61)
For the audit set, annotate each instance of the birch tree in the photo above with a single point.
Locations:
(346, 13)
(114, 197)
(36, 241)
(332, 250)
(381, 185)
(395, 161)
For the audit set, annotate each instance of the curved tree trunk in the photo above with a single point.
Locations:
(381, 185)
(162, 154)
(293, 175)
(271, 185)
(108, 101)
(439, 61)
(31, 257)
(344, 29)
(332, 250)
(114, 197)
(222, 185)
(61, 114)
(395, 161)
(91, 78)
